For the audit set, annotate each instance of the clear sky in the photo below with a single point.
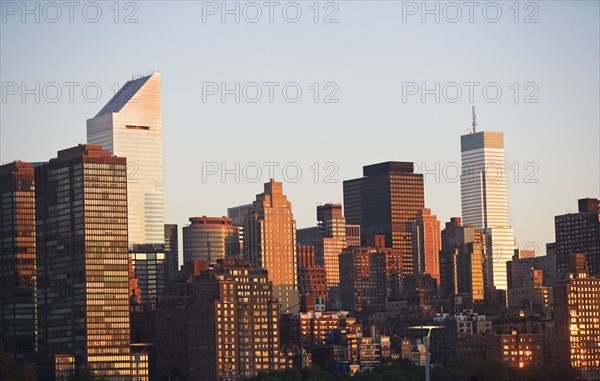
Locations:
(375, 61)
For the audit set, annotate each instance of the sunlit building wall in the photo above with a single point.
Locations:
(17, 259)
(209, 239)
(82, 261)
(577, 319)
(484, 200)
(270, 243)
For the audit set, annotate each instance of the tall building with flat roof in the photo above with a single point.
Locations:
(484, 200)
(270, 243)
(427, 244)
(82, 261)
(209, 239)
(461, 261)
(328, 239)
(171, 252)
(386, 201)
(333, 227)
(579, 233)
(17, 259)
(130, 126)
(238, 216)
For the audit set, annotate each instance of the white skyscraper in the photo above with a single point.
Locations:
(130, 125)
(485, 201)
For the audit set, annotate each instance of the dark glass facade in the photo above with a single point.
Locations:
(150, 268)
(17, 259)
(579, 233)
(386, 201)
(171, 252)
(82, 261)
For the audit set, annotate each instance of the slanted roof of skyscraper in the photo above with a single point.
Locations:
(123, 96)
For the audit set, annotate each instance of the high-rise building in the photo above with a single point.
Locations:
(576, 317)
(311, 278)
(461, 261)
(209, 239)
(333, 225)
(370, 276)
(579, 233)
(171, 252)
(484, 200)
(82, 261)
(238, 216)
(219, 323)
(427, 244)
(17, 259)
(270, 243)
(130, 126)
(150, 268)
(386, 201)
(328, 239)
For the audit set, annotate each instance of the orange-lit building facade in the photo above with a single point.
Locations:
(83, 262)
(427, 244)
(462, 261)
(333, 225)
(17, 259)
(311, 278)
(519, 350)
(209, 239)
(270, 243)
(577, 319)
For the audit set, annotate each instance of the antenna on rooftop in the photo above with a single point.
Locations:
(474, 125)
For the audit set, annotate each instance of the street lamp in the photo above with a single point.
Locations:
(426, 342)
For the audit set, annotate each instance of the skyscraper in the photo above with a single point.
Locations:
(171, 252)
(82, 260)
(209, 239)
(579, 233)
(333, 225)
(270, 242)
(328, 239)
(485, 200)
(461, 261)
(238, 216)
(427, 244)
(130, 126)
(17, 259)
(386, 201)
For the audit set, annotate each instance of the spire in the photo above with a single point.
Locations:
(474, 125)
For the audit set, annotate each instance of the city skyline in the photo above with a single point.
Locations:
(368, 100)
(161, 164)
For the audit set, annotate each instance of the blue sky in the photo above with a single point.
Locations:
(373, 52)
